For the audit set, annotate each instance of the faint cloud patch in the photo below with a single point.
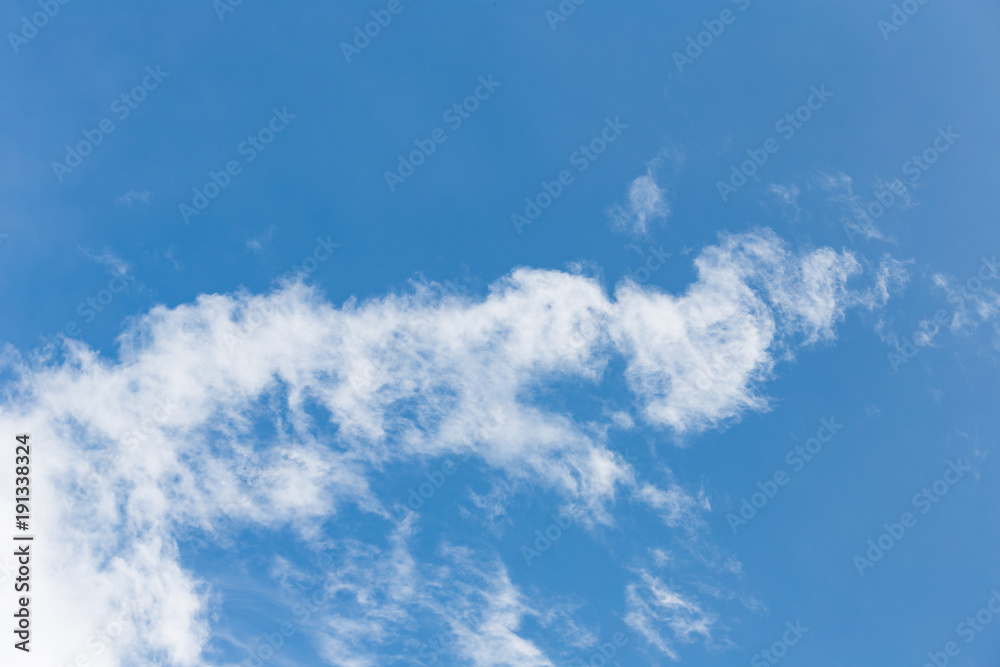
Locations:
(901, 190)
(491, 508)
(786, 194)
(891, 279)
(840, 190)
(168, 254)
(622, 420)
(114, 264)
(258, 244)
(653, 606)
(971, 304)
(133, 197)
(646, 200)
(863, 215)
(788, 197)
(675, 506)
(661, 557)
(975, 301)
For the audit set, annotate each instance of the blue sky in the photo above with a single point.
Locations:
(571, 316)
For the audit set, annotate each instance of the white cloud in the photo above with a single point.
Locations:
(974, 302)
(969, 305)
(786, 194)
(491, 508)
(168, 437)
(695, 360)
(840, 188)
(386, 597)
(864, 213)
(646, 202)
(115, 265)
(651, 604)
(675, 505)
(891, 278)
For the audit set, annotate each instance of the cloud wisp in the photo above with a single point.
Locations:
(281, 410)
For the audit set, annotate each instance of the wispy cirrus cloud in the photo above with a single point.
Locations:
(281, 411)
(664, 616)
(646, 202)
